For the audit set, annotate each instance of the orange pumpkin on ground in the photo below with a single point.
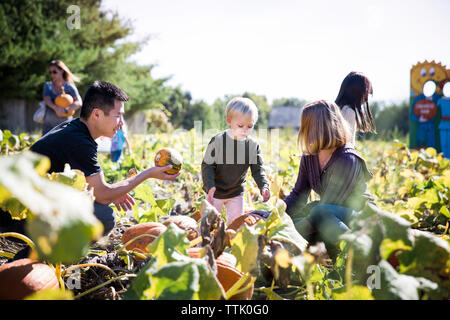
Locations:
(154, 229)
(20, 278)
(167, 156)
(225, 257)
(227, 274)
(249, 219)
(186, 223)
(64, 100)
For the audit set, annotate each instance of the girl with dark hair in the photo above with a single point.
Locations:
(353, 100)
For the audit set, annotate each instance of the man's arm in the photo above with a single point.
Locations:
(106, 193)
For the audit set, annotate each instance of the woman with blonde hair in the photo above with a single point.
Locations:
(62, 79)
(333, 169)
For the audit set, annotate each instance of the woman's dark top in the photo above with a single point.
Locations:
(342, 181)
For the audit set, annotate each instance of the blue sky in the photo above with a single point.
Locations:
(287, 48)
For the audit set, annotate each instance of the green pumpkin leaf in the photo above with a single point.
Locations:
(51, 294)
(191, 279)
(62, 223)
(244, 247)
(170, 246)
(396, 286)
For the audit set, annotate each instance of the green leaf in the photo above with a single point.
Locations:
(429, 258)
(244, 247)
(51, 294)
(356, 293)
(170, 246)
(395, 286)
(282, 227)
(144, 193)
(191, 279)
(388, 246)
(445, 211)
(71, 177)
(62, 224)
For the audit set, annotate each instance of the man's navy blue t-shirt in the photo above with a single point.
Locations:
(69, 142)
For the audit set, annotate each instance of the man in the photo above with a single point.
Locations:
(73, 142)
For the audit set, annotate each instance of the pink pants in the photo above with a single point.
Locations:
(234, 206)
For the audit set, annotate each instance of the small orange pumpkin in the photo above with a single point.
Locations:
(154, 229)
(20, 278)
(186, 223)
(64, 100)
(167, 156)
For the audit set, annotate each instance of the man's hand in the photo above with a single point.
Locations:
(265, 194)
(158, 173)
(126, 202)
(210, 196)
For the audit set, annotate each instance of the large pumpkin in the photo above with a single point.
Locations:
(20, 278)
(154, 229)
(186, 223)
(167, 156)
(64, 100)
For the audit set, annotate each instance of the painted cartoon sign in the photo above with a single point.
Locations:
(429, 107)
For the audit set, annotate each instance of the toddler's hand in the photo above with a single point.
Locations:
(210, 196)
(265, 194)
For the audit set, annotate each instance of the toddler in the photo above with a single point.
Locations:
(229, 155)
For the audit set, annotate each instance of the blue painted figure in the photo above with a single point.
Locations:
(424, 112)
(444, 126)
(117, 143)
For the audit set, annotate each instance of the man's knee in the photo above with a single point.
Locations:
(106, 216)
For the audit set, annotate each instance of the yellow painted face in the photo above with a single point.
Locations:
(422, 72)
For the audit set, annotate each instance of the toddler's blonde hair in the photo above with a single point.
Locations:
(242, 106)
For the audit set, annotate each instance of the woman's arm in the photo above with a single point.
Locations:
(302, 189)
(60, 112)
(77, 101)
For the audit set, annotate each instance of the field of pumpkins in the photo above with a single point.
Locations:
(173, 245)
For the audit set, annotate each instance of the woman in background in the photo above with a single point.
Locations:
(61, 78)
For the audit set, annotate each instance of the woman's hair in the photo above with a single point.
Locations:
(354, 92)
(67, 74)
(242, 106)
(101, 95)
(322, 126)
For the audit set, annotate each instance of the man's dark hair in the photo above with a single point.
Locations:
(101, 95)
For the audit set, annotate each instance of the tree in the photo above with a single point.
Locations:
(34, 32)
(288, 102)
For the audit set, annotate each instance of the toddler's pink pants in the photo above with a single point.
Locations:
(234, 206)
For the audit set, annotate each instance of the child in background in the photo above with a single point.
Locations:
(227, 158)
(353, 100)
(117, 143)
